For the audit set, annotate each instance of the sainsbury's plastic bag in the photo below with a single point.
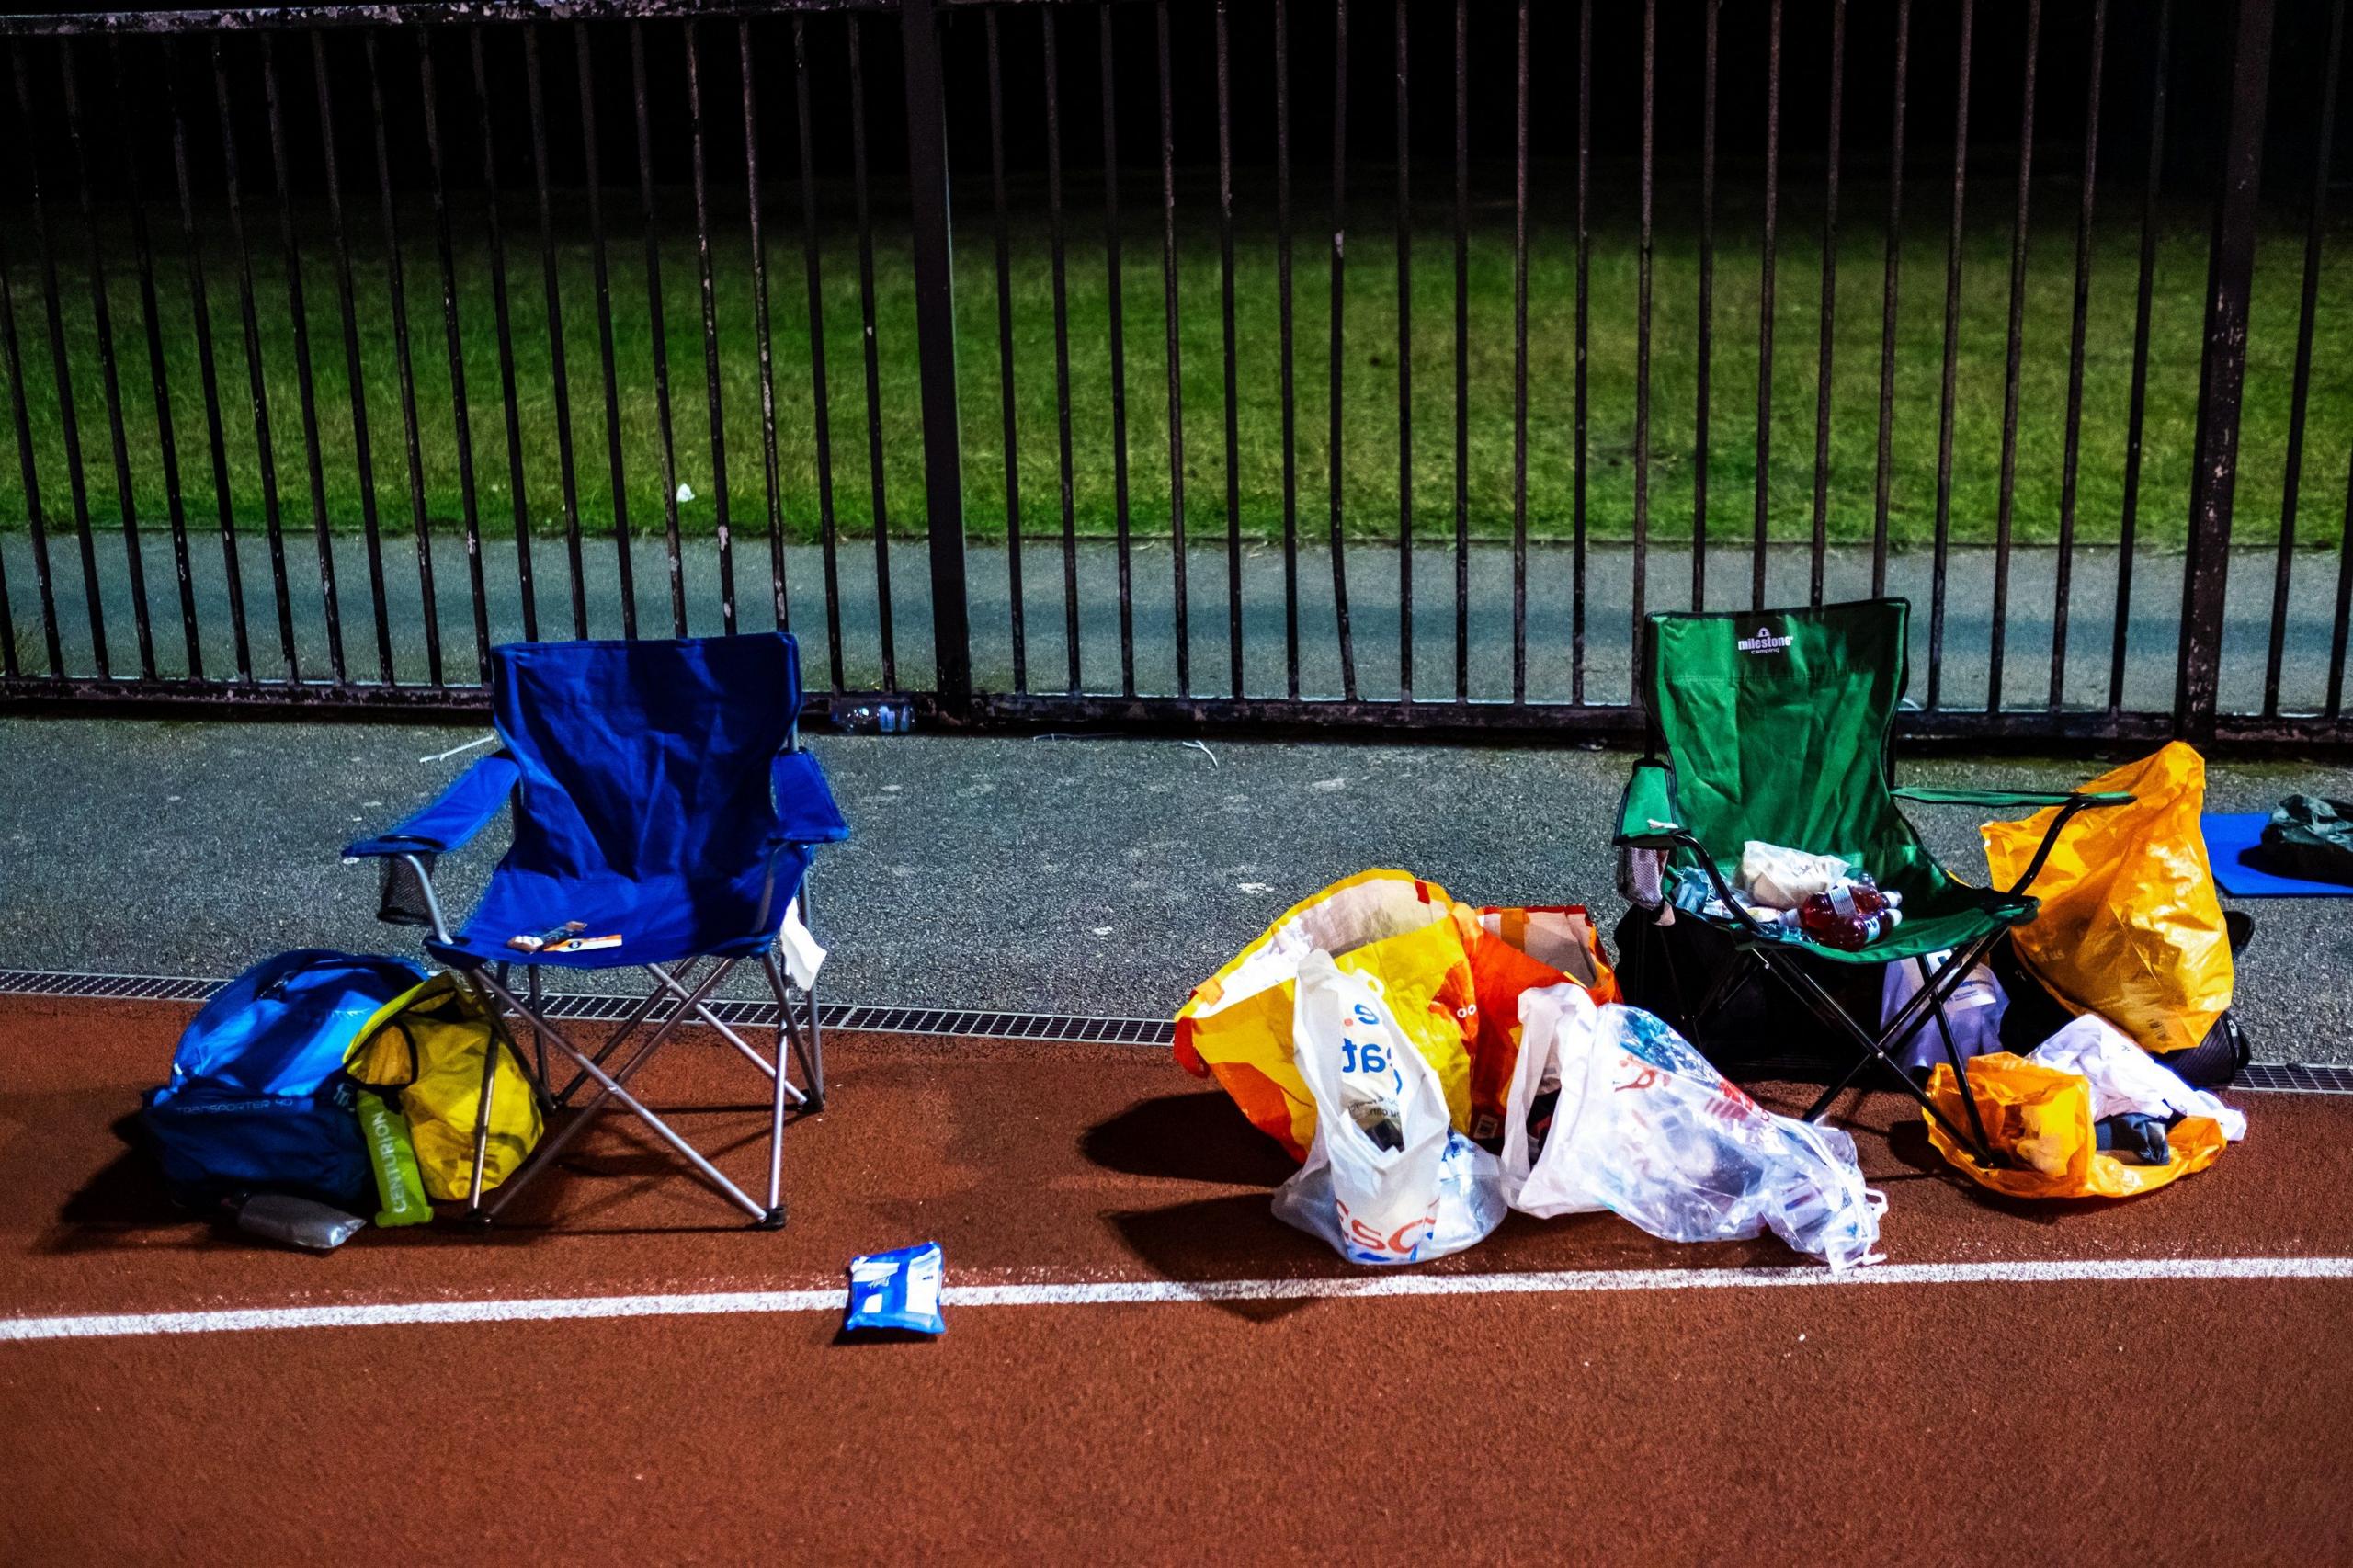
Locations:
(1645, 1127)
(2130, 925)
(1387, 1179)
(2126, 1080)
(2039, 1120)
(1237, 1025)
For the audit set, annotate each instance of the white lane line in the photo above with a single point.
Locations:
(1156, 1291)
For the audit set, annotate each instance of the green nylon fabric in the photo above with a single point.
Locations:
(1775, 724)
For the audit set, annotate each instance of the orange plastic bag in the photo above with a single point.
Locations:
(2130, 925)
(1515, 950)
(2041, 1118)
(1389, 926)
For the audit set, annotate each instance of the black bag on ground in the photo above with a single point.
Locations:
(2034, 1014)
(2308, 837)
(1759, 1029)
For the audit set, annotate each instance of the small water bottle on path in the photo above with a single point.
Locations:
(882, 716)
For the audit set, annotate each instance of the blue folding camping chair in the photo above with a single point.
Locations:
(664, 818)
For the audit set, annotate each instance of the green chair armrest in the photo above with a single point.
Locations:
(2011, 799)
(1646, 818)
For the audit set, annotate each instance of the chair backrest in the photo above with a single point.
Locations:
(1777, 722)
(645, 759)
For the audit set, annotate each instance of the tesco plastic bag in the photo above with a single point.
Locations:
(1387, 1179)
(1645, 1127)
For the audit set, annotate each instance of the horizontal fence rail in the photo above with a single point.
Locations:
(1331, 365)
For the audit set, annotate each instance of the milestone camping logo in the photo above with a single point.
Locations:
(1764, 642)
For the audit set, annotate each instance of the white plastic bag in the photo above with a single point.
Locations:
(1973, 1011)
(1645, 1127)
(2126, 1080)
(1779, 878)
(1387, 1179)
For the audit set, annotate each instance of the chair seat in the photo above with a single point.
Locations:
(1936, 918)
(660, 919)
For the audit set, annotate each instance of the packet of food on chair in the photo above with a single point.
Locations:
(896, 1290)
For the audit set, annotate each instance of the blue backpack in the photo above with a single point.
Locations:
(259, 1100)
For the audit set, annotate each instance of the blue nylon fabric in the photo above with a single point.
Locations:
(646, 806)
(450, 822)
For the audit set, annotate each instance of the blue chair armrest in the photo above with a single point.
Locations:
(805, 811)
(451, 821)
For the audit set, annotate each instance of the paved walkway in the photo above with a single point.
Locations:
(1101, 876)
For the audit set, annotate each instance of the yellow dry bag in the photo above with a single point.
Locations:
(429, 1044)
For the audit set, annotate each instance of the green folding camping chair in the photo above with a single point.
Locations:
(1778, 725)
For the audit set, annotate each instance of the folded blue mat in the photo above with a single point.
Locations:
(2231, 835)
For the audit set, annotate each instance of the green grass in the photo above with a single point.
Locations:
(1370, 371)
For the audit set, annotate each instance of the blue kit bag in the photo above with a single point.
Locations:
(897, 1291)
(259, 1100)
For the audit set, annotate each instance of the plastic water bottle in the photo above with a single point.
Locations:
(887, 717)
(1850, 916)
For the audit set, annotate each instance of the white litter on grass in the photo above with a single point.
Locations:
(1156, 1292)
(445, 756)
(1254, 887)
(686, 494)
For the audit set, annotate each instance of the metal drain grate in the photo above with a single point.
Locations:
(851, 1016)
(2280, 1077)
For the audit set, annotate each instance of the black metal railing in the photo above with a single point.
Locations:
(441, 332)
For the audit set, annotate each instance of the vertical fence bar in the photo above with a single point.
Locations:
(2137, 400)
(1004, 359)
(1337, 358)
(1052, 67)
(1461, 350)
(1404, 378)
(1764, 299)
(2291, 480)
(363, 460)
(1642, 339)
(29, 470)
(1952, 345)
(469, 504)
(2222, 375)
(2343, 619)
(1232, 400)
(166, 436)
(2072, 460)
(821, 423)
(1706, 351)
(777, 586)
(305, 384)
(657, 328)
(688, 40)
(2010, 467)
(524, 584)
(397, 290)
(1519, 360)
(876, 490)
(1829, 307)
(1112, 305)
(201, 312)
(109, 373)
(1893, 266)
(1283, 307)
(1579, 428)
(593, 177)
(68, 424)
(936, 340)
(559, 377)
(1176, 384)
(257, 384)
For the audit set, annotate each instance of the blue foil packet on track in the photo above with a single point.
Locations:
(897, 1291)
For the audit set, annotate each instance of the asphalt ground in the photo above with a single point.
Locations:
(1094, 876)
(1141, 1363)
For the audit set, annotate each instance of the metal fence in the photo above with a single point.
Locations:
(489, 429)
